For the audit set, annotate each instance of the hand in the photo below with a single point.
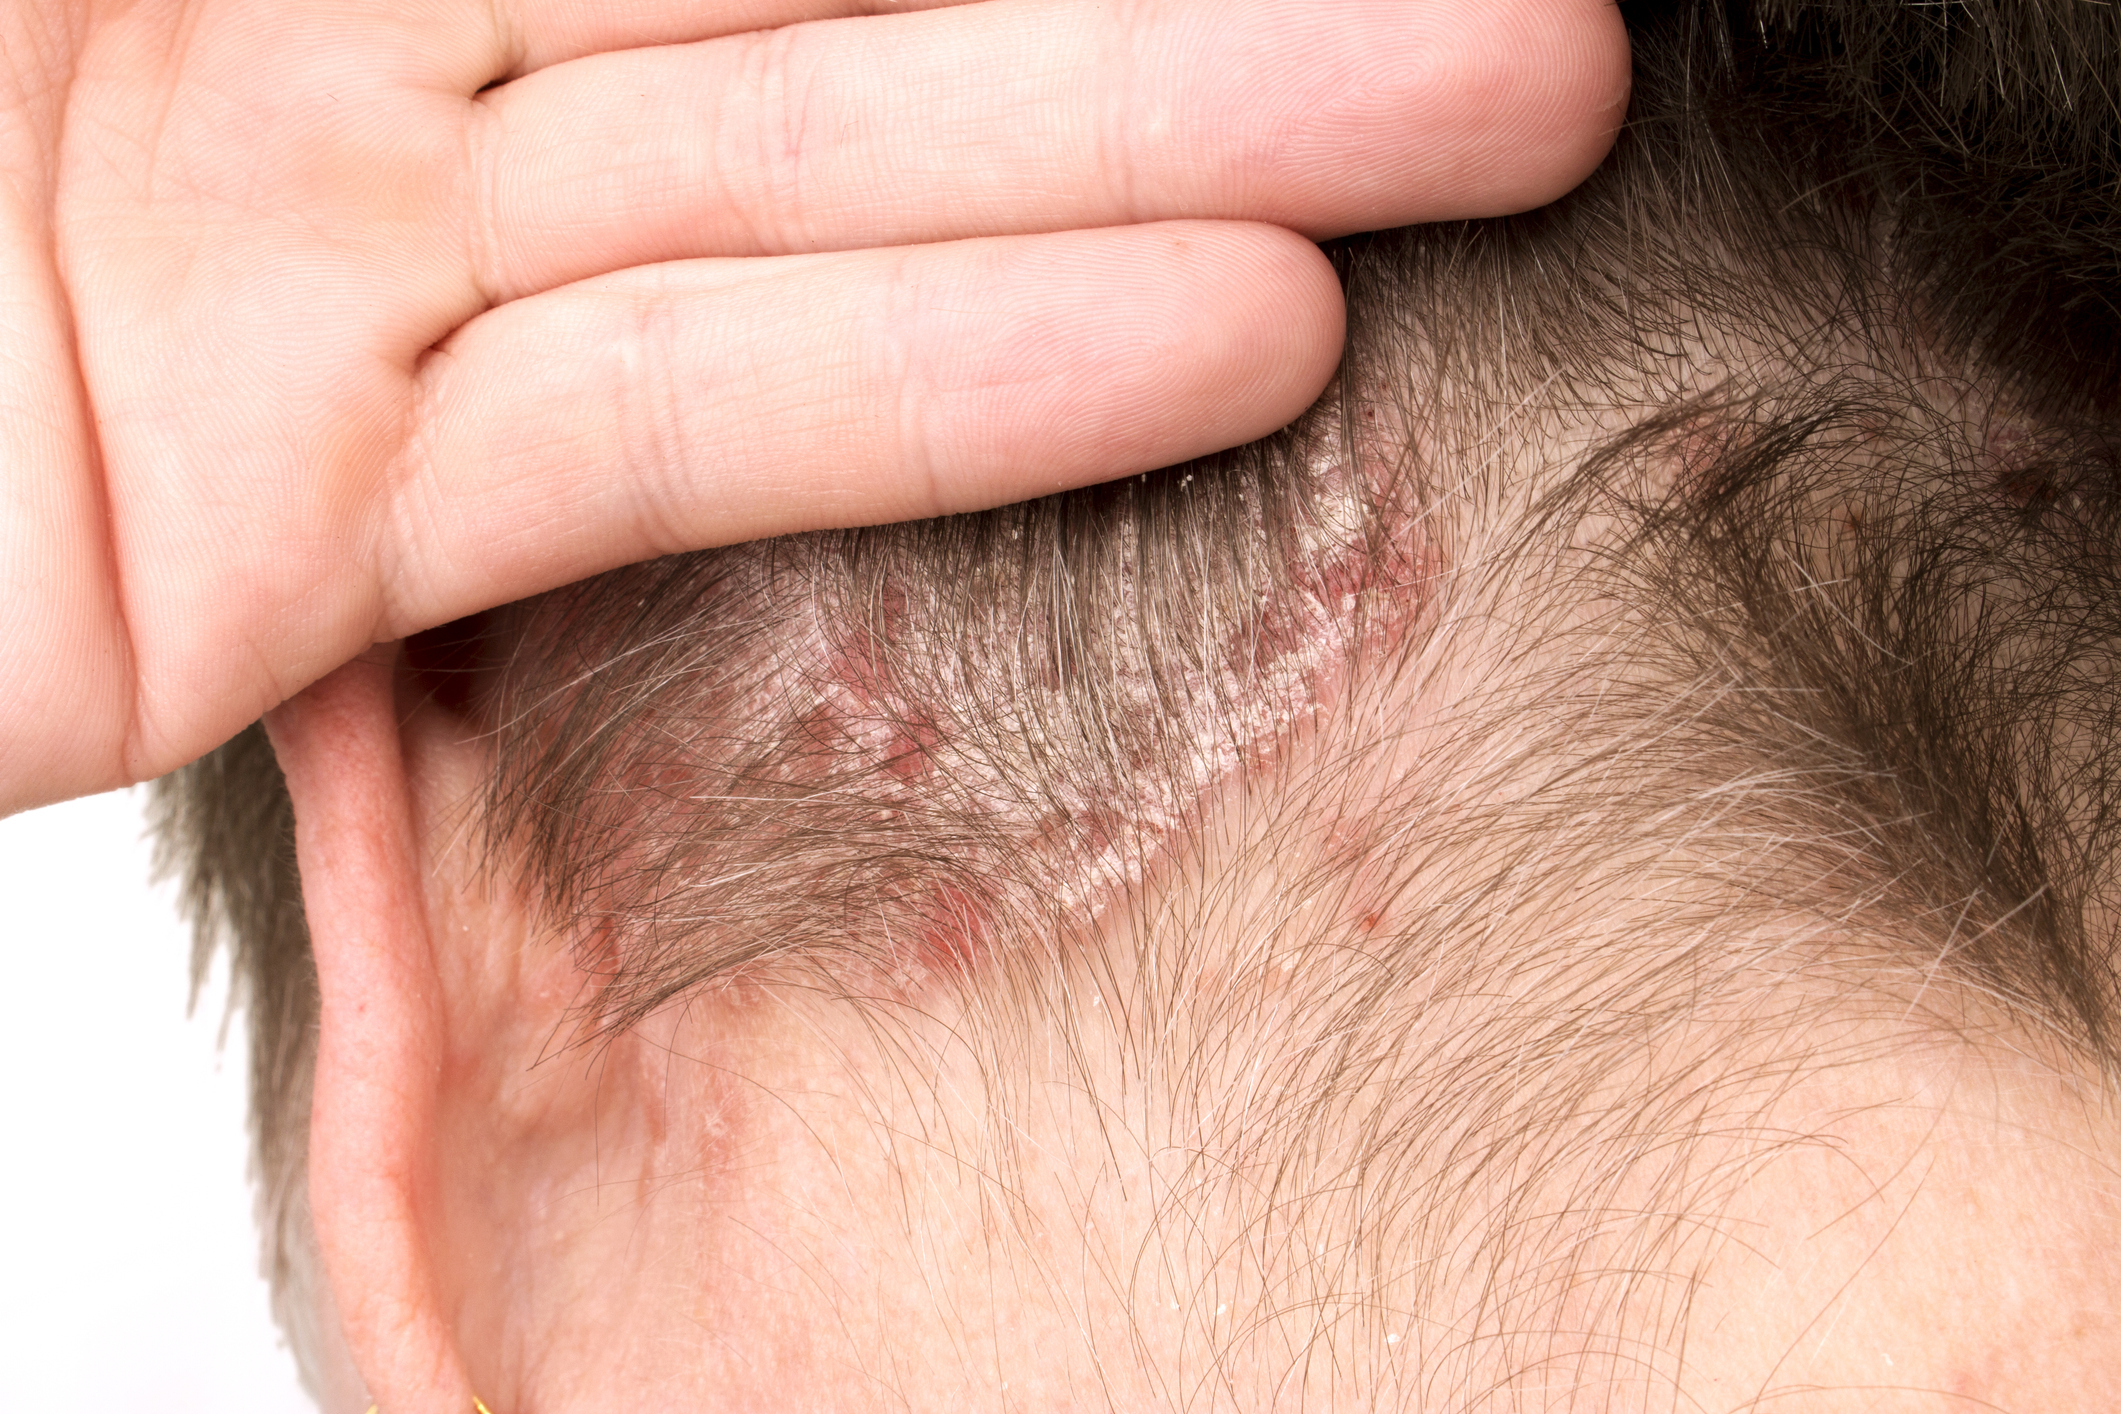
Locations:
(327, 321)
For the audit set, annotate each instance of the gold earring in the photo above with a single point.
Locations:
(478, 1406)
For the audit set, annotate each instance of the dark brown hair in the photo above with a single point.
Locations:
(1846, 299)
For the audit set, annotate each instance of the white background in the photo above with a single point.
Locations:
(128, 1266)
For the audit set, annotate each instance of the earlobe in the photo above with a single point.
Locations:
(374, 1189)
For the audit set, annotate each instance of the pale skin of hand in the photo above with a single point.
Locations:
(327, 321)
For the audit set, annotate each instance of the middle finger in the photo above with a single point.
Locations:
(1035, 115)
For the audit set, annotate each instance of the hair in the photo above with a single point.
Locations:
(1816, 641)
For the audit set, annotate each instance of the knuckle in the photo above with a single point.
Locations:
(775, 99)
(409, 521)
(648, 410)
(485, 254)
(906, 380)
(1136, 121)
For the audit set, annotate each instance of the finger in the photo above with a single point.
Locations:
(1035, 115)
(709, 402)
(538, 33)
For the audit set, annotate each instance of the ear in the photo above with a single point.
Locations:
(371, 1158)
(433, 1012)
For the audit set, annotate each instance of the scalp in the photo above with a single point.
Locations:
(1705, 675)
(908, 746)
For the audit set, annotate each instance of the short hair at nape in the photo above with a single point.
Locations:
(1853, 268)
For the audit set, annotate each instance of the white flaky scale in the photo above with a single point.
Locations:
(1037, 846)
